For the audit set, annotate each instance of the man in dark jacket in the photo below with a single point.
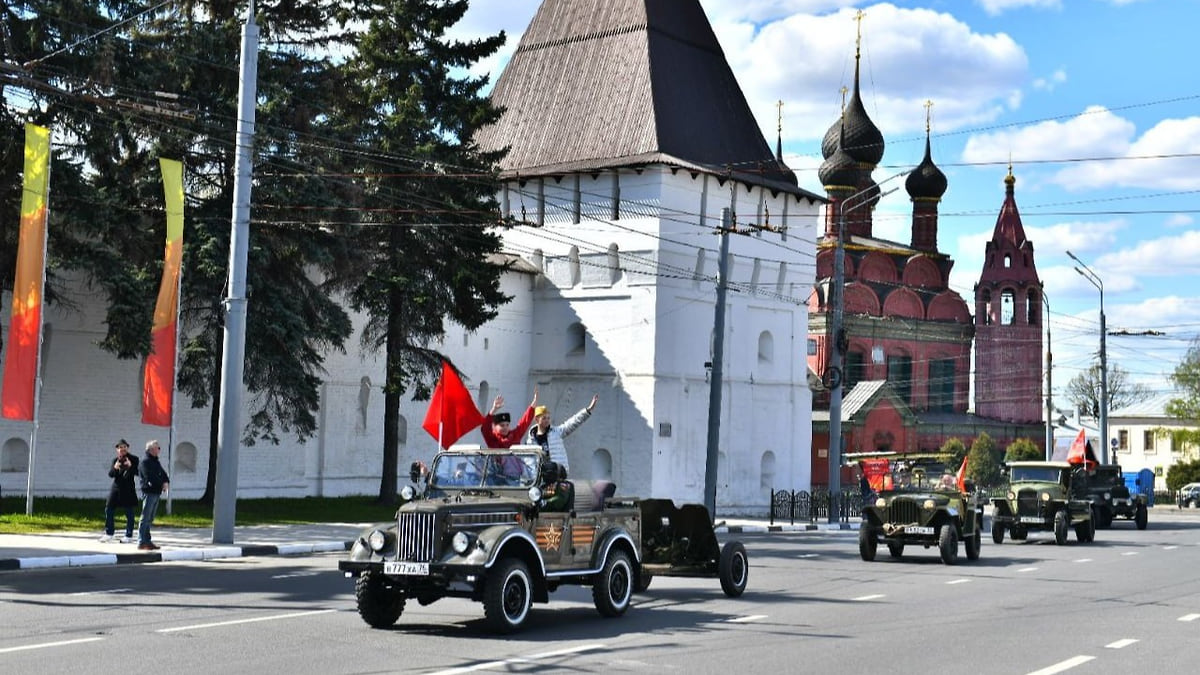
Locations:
(155, 482)
(122, 493)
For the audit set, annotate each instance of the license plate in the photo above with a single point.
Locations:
(405, 568)
(1030, 519)
(916, 529)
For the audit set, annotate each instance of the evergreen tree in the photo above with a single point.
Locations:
(426, 252)
(1022, 450)
(983, 464)
(955, 450)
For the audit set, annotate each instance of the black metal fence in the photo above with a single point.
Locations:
(813, 507)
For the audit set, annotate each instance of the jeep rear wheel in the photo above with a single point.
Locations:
(975, 543)
(1104, 518)
(1140, 518)
(1085, 531)
(508, 596)
(866, 543)
(948, 544)
(614, 586)
(895, 549)
(378, 604)
(998, 532)
(733, 569)
(1060, 528)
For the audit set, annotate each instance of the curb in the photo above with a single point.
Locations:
(212, 553)
(807, 527)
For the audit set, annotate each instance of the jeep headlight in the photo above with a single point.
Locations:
(881, 502)
(407, 493)
(535, 494)
(461, 543)
(1107, 496)
(1012, 496)
(1045, 496)
(376, 540)
(928, 504)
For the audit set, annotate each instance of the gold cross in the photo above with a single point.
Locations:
(779, 105)
(858, 17)
(928, 113)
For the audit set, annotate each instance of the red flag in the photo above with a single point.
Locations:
(1081, 452)
(159, 387)
(452, 411)
(24, 333)
(962, 475)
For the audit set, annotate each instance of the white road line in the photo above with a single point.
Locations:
(517, 660)
(44, 645)
(235, 622)
(958, 581)
(1130, 553)
(1027, 569)
(1170, 548)
(1120, 644)
(807, 555)
(295, 575)
(1063, 665)
(110, 590)
(1083, 560)
(870, 597)
(1189, 617)
(747, 619)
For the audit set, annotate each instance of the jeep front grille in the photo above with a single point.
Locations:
(1027, 503)
(904, 511)
(416, 537)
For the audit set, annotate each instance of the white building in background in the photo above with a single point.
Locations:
(628, 137)
(1139, 433)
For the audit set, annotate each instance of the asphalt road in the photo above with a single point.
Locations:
(1130, 602)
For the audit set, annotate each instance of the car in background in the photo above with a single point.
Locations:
(1189, 496)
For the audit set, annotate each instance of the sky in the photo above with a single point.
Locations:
(1096, 103)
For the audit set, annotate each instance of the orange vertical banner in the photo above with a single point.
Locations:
(159, 389)
(19, 395)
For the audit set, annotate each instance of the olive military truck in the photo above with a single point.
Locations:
(922, 503)
(1046, 496)
(1111, 497)
(480, 526)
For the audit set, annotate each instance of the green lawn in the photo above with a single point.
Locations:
(59, 514)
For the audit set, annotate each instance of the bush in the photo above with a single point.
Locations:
(1182, 473)
(1022, 450)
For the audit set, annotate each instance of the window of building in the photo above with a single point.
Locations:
(900, 376)
(576, 339)
(1123, 440)
(856, 369)
(766, 470)
(602, 468)
(812, 347)
(185, 458)
(1148, 442)
(941, 385)
(573, 263)
(14, 458)
(766, 347)
(484, 394)
(985, 309)
(1007, 308)
(614, 264)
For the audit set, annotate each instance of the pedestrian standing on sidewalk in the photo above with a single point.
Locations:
(155, 482)
(122, 494)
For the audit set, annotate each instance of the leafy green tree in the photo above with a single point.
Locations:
(424, 247)
(955, 450)
(983, 463)
(1023, 449)
(1083, 390)
(1187, 407)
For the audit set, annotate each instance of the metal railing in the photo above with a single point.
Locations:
(802, 506)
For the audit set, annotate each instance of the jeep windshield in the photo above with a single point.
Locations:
(1043, 474)
(485, 469)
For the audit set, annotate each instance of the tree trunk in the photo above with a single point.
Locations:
(391, 409)
(214, 435)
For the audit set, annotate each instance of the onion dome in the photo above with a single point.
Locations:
(829, 144)
(839, 170)
(926, 181)
(863, 140)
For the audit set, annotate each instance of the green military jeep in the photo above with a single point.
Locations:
(481, 527)
(921, 503)
(1047, 496)
(1110, 497)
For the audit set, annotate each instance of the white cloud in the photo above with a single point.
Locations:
(1050, 83)
(1172, 256)
(1179, 220)
(995, 7)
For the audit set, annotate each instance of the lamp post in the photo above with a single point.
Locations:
(1087, 273)
(1049, 387)
(861, 198)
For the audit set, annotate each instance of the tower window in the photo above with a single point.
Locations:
(1007, 309)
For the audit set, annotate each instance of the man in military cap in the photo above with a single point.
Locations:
(497, 428)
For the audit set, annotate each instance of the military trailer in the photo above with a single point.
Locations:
(1110, 498)
(482, 525)
(1045, 496)
(921, 503)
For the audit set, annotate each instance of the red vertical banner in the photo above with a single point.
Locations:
(452, 411)
(962, 475)
(159, 386)
(18, 399)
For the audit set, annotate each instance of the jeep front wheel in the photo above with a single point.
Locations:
(378, 604)
(974, 543)
(1060, 528)
(998, 532)
(867, 543)
(614, 585)
(948, 544)
(508, 596)
(1139, 518)
(733, 569)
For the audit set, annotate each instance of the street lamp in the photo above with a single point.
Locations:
(1049, 387)
(862, 198)
(1087, 273)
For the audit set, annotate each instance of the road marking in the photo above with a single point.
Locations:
(1130, 553)
(747, 619)
(1027, 569)
(1170, 548)
(1189, 617)
(1063, 665)
(235, 622)
(958, 581)
(807, 555)
(1083, 560)
(111, 590)
(518, 660)
(295, 575)
(1119, 644)
(870, 597)
(43, 645)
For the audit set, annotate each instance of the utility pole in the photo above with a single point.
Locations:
(1087, 273)
(715, 377)
(233, 353)
(1049, 387)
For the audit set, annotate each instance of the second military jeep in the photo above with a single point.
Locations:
(1111, 497)
(1047, 496)
(921, 503)
(482, 529)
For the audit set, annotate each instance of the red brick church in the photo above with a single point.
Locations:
(908, 335)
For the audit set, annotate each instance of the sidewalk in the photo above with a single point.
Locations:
(81, 549)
